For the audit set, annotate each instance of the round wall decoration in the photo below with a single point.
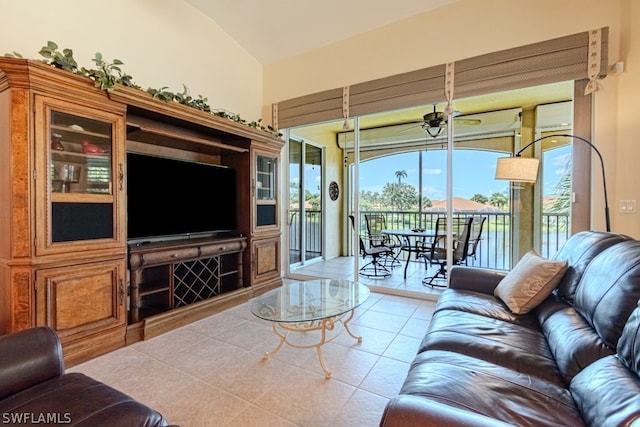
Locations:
(334, 190)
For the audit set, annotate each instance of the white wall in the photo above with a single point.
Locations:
(470, 28)
(161, 42)
(168, 43)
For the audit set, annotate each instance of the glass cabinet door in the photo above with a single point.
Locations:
(84, 176)
(265, 190)
(80, 151)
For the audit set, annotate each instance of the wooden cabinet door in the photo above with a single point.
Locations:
(79, 172)
(266, 260)
(81, 300)
(265, 190)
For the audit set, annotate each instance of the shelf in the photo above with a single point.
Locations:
(75, 156)
(81, 198)
(229, 273)
(179, 273)
(150, 288)
(65, 129)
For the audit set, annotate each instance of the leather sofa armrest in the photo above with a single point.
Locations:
(408, 411)
(28, 358)
(475, 279)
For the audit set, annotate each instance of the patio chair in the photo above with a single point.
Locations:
(374, 268)
(476, 236)
(376, 223)
(437, 254)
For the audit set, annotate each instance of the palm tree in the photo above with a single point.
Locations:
(401, 174)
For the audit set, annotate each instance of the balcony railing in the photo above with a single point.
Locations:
(493, 251)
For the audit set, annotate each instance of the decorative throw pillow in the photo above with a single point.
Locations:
(530, 282)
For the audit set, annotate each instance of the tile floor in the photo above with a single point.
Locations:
(212, 372)
(342, 268)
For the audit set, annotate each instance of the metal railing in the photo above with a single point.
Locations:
(313, 233)
(493, 250)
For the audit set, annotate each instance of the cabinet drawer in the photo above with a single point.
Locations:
(163, 257)
(223, 248)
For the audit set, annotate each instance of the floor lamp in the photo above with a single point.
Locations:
(525, 169)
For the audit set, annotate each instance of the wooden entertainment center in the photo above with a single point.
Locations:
(65, 257)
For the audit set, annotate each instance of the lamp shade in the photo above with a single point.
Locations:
(517, 169)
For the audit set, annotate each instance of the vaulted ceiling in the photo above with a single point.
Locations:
(277, 29)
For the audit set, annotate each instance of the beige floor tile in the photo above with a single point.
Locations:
(251, 336)
(363, 409)
(383, 321)
(386, 377)
(403, 348)
(212, 372)
(415, 327)
(176, 340)
(250, 376)
(205, 358)
(258, 417)
(307, 398)
(425, 310)
(373, 340)
(218, 324)
(347, 364)
(202, 405)
(396, 305)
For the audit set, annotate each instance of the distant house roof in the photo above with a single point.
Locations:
(461, 204)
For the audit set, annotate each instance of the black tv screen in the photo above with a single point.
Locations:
(172, 198)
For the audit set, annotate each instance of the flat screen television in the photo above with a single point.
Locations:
(169, 198)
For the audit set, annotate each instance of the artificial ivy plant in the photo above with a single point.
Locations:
(108, 74)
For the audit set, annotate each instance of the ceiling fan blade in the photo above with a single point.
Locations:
(463, 121)
(411, 127)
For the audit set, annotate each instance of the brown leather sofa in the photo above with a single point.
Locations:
(572, 361)
(34, 389)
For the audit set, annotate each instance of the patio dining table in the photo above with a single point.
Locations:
(410, 238)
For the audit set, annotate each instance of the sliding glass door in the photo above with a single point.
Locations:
(305, 202)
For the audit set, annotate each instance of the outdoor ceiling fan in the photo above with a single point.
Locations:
(435, 122)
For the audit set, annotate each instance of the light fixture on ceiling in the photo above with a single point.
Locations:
(434, 123)
(525, 169)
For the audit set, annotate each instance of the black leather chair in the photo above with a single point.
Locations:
(33, 381)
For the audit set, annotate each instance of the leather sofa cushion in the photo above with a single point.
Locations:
(482, 387)
(495, 341)
(83, 401)
(483, 304)
(609, 290)
(578, 251)
(607, 391)
(44, 359)
(573, 342)
(629, 347)
(405, 410)
(607, 394)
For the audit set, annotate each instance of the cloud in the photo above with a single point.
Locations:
(561, 164)
(432, 171)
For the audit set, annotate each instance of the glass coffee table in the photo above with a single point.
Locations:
(313, 305)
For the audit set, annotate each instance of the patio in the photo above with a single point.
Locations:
(342, 268)
(493, 251)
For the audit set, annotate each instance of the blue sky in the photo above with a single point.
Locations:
(473, 172)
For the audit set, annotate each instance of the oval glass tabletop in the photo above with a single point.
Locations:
(309, 300)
